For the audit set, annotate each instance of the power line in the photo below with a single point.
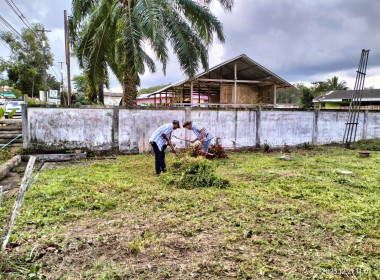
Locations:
(17, 11)
(5, 45)
(10, 27)
(54, 72)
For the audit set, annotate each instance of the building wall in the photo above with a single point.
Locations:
(331, 105)
(247, 94)
(111, 100)
(127, 130)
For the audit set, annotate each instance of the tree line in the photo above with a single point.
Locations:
(303, 95)
(25, 65)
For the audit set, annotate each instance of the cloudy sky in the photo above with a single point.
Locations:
(300, 40)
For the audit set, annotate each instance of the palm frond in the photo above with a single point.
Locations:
(202, 20)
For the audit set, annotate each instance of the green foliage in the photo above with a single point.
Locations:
(329, 84)
(11, 114)
(151, 89)
(113, 35)
(288, 96)
(52, 83)
(2, 113)
(25, 65)
(81, 83)
(307, 96)
(81, 100)
(369, 145)
(189, 173)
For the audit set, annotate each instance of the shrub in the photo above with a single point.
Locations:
(370, 144)
(190, 173)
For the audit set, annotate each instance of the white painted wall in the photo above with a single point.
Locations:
(127, 130)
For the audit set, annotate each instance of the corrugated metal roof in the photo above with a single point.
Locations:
(339, 95)
(247, 69)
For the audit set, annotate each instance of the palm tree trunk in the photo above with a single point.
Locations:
(92, 95)
(101, 92)
(129, 90)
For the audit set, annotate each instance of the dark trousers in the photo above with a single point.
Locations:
(160, 158)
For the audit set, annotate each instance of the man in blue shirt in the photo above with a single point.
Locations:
(159, 141)
(203, 135)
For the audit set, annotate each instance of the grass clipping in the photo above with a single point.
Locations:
(191, 173)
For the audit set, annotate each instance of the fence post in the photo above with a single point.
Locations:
(314, 137)
(365, 125)
(115, 130)
(258, 120)
(187, 132)
(25, 130)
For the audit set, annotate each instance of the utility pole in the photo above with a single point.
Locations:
(62, 89)
(67, 59)
(44, 58)
(60, 63)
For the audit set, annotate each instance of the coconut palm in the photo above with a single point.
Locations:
(113, 34)
(333, 84)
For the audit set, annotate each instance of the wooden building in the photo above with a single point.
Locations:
(237, 82)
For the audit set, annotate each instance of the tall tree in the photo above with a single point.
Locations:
(112, 33)
(306, 96)
(25, 65)
(334, 84)
(329, 84)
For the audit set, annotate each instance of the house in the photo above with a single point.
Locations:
(239, 81)
(340, 99)
(112, 98)
(165, 100)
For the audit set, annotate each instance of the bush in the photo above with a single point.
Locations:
(370, 145)
(190, 173)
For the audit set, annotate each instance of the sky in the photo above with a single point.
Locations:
(302, 41)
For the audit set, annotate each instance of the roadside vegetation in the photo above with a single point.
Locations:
(114, 219)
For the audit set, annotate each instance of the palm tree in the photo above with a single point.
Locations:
(333, 84)
(111, 34)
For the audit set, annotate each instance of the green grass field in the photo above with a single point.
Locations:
(114, 219)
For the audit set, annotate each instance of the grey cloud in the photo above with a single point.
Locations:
(296, 39)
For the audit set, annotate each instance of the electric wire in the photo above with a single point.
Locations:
(10, 27)
(17, 11)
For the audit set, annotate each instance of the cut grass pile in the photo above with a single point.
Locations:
(299, 219)
(190, 173)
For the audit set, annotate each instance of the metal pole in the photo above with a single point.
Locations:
(235, 78)
(62, 96)
(44, 55)
(191, 93)
(44, 60)
(67, 59)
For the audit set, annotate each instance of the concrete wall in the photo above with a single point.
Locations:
(127, 130)
(286, 127)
